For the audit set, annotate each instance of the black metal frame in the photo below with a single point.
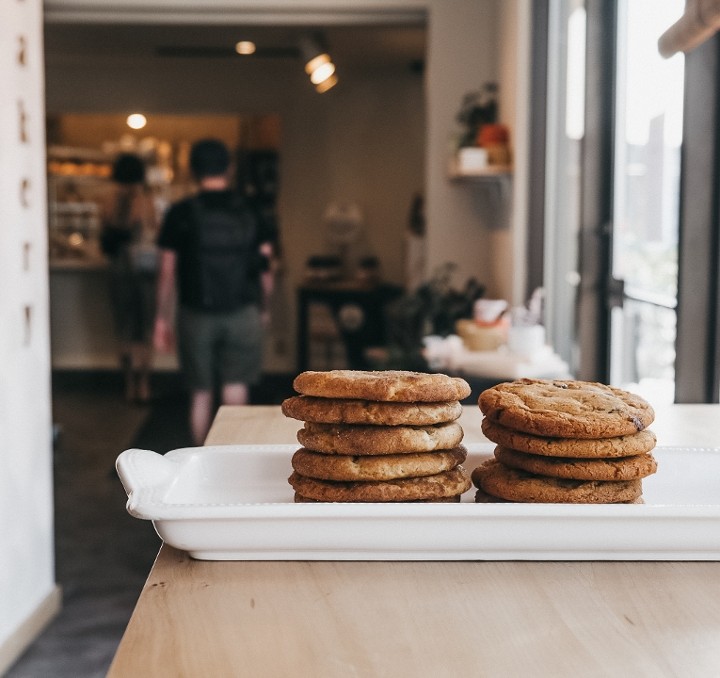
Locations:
(697, 365)
(697, 362)
(537, 147)
(595, 247)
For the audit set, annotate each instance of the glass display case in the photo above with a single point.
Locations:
(78, 184)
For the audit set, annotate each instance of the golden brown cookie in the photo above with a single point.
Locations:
(482, 497)
(377, 467)
(385, 385)
(299, 499)
(621, 468)
(620, 446)
(358, 439)
(446, 484)
(566, 408)
(520, 486)
(351, 411)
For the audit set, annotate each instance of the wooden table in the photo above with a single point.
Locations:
(395, 619)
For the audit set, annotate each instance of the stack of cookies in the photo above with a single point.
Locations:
(386, 436)
(565, 442)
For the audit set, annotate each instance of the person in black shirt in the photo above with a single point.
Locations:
(217, 252)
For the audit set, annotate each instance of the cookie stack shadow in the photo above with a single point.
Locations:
(564, 442)
(389, 436)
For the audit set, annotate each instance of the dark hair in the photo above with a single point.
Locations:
(209, 158)
(128, 169)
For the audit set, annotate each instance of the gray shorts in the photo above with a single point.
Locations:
(219, 348)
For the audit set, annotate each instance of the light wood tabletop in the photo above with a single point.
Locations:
(491, 618)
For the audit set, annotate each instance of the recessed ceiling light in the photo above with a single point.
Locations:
(245, 47)
(136, 121)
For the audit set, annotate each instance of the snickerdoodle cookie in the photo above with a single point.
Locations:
(446, 484)
(354, 411)
(385, 385)
(376, 467)
(359, 439)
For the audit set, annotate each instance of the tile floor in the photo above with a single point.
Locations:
(103, 555)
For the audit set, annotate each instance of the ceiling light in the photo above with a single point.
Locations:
(326, 84)
(322, 73)
(318, 64)
(245, 47)
(136, 121)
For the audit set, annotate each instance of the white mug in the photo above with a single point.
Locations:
(526, 340)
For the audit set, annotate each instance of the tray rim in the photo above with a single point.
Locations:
(142, 498)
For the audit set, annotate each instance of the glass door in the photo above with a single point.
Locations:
(642, 290)
(565, 124)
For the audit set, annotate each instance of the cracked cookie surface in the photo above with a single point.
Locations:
(354, 411)
(384, 385)
(377, 467)
(359, 439)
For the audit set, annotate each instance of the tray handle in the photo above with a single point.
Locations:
(142, 470)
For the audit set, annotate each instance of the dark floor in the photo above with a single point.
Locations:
(103, 555)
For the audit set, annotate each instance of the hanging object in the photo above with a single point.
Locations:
(318, 64)
(699, 22)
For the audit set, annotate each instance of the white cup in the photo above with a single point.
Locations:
(526, 340)
(434, 352)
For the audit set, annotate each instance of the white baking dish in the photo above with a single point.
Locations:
(233, 502)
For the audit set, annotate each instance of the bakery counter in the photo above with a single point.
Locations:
(81, 322)
(72, 265)
(494, 618)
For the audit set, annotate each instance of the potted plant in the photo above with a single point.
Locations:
(478, 108)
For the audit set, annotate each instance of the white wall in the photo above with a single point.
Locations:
(27, 584)
(462, 55)
(515, 52)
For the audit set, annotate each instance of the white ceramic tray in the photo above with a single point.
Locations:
(233, 502)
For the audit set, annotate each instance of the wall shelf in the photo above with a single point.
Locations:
(495, 179)
(490, 173)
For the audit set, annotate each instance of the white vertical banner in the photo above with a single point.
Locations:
(26, 503)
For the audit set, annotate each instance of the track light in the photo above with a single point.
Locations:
(318, 64)
(325, 85)
(322, 73)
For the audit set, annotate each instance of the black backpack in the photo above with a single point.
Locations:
(225, 256)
